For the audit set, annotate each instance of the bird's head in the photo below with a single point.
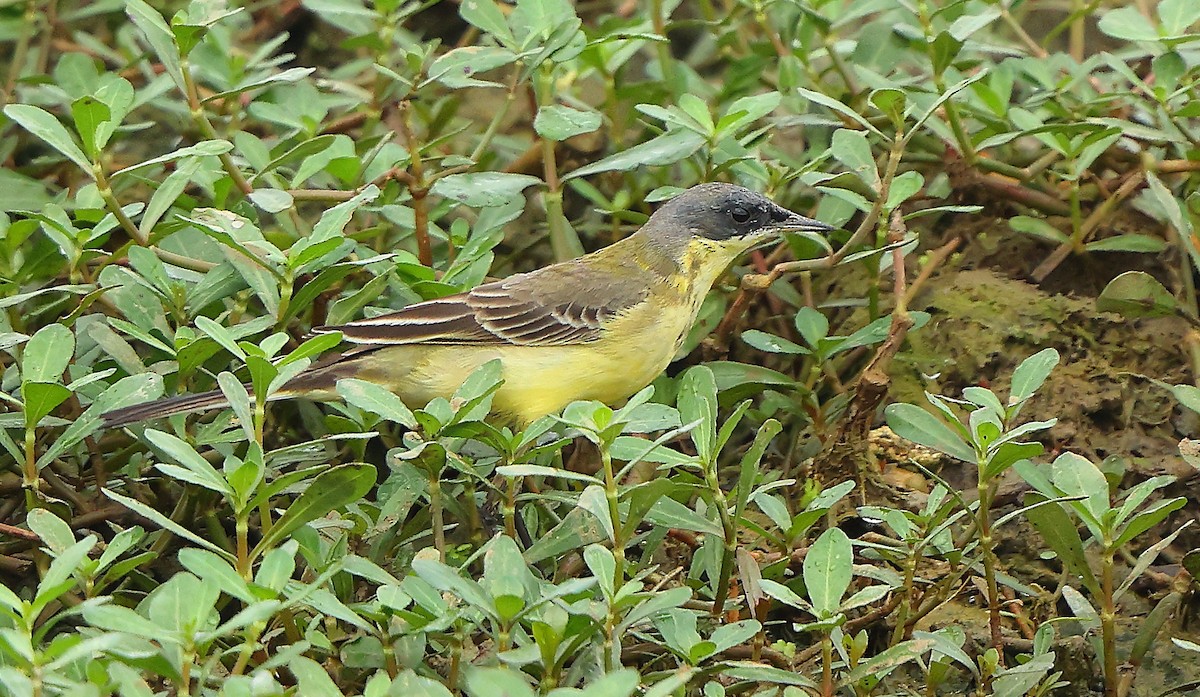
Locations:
(724, 216)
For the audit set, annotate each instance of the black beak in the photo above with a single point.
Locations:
(783, 220)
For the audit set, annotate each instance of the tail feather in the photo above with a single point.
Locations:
(316, 383)
(163, 408)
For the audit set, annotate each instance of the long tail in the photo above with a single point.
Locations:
(162, 408)
(315, 383)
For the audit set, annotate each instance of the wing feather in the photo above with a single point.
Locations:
(543, 308)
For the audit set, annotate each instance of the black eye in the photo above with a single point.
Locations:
(740, 215)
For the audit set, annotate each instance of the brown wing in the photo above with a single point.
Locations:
(561, 304)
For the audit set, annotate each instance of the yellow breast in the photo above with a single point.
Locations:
(634, 348)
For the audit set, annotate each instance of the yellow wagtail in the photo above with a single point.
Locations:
(599, 327)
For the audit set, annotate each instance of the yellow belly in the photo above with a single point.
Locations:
(540, 380)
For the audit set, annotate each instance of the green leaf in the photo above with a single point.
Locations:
(203, 148)
(556, 122)
(221, 335)
(578, 528)
(594, 502)
(271, 200)
(56, 534)
(944, 49)
(1006, 455)
(1059, 532)
(444, 578)
(1148, 518)
(1075, 475)
(312, 348)
(377, 400)
(312, 678)
(214, 569)
(772, 344)
(602, 564)
(698, 402)
(669, 513)
(57, 579)
(262, 373)
(904, 186)
(482, 189)
(812, 325)
(333, 221)
(486, 15)
(876, 332)
(165, 522)
(239, 401)
(159, 35)
(1136, 294)
(888, 660)
(729, 374)
(507, 682)
(666, 149)
(744, 111)
(1141, 244)
(1178, 15)
(166, 195)
(329, 491)
(182, 605)
(1019, 679)
(852, 149)
(835, 105)
(195, 469)
(121, 619)
(914, 423)
(506, 577)
(1128, 24)
(41, 398)
(473, 399)
(654, 604)
(1028, 377)
(749, 465)
(283, 77)
(47, 353)
(134, 389)
(828, 569)
(308, 292)
(90, 115)
(544, 471)
(1146, 558)
(42, 124)
(457, 67)
(783, 594)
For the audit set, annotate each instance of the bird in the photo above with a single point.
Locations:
(599, 327)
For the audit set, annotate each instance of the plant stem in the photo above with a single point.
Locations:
(242, 529)
(563, 239)
(984, 518)
(247, 652)
(1108, 627)
(729, 528)
(30, 480)
(612, 650)
(29, 28)
(826, 665)
(435, 513)
(418, 187)
(114, 206)
(610, 494)
(200, 118)
(658, 17)
(185, 672)
(510, 509)
(902, 615)
(456, 650)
